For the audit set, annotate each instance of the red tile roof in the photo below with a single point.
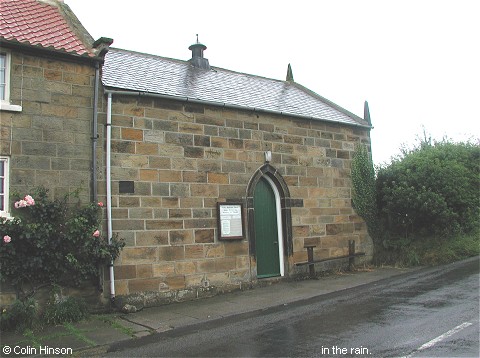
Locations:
(41, 24)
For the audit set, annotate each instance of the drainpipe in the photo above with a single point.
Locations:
(109, 191)
(93, 194)
(95, 133)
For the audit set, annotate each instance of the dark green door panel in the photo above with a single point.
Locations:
(266, 230)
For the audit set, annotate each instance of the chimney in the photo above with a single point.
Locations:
(102, 45)
(197, 59)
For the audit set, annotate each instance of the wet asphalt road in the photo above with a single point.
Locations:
(432, 312)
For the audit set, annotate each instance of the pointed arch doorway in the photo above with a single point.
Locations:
(268, 229)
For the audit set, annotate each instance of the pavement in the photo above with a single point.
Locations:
(94, 336)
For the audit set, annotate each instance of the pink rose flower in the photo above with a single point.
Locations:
(96, 233)
(7, 239)
(29, 200)
(20, 204)
(100, 204)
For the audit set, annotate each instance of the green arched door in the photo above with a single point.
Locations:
(266, 230)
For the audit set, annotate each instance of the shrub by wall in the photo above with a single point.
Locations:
(52, 242)
(364, 191)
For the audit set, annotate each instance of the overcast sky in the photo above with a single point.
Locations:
(416, 62)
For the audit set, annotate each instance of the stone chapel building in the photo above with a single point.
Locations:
(188, 139)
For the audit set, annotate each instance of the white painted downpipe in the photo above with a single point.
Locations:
(109, 190)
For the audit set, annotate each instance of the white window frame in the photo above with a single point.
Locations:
(5, 104)
(6, 195)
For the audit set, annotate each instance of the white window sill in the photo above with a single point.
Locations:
(10, 107)
(5, 215)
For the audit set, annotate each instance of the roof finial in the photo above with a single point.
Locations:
(366, 113)
(197, 39)
(289, 74)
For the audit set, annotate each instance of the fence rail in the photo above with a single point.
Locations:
(311, 262)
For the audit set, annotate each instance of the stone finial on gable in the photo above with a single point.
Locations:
(289, 74)
(366, 113)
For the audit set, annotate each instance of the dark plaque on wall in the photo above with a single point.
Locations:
(230, 221)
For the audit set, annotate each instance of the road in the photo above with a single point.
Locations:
(431, 312)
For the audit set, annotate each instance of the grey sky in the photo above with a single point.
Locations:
(416, 62)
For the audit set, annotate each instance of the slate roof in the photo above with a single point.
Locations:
(46, 24)
(155, 75)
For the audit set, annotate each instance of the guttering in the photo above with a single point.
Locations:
(225, 105)
(109, 190)
(48, 51)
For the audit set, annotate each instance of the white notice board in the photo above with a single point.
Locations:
(230, 220)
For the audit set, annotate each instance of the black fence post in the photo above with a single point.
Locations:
(351, 254)
(311, 265)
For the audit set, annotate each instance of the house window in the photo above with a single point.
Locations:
(4, 187)
(3, 75)
(5, 65)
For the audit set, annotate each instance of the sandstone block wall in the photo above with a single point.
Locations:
(49, 141)
(173, 161)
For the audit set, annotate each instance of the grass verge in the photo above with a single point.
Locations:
(431, 251)
(113, 321)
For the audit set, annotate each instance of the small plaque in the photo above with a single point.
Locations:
(126, 187)
(230, 221)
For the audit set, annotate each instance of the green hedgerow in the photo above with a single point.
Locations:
(432, 190)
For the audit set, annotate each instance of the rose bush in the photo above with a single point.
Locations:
(53, 242)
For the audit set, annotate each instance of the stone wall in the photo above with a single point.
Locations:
(49, 141)
(173, 161)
